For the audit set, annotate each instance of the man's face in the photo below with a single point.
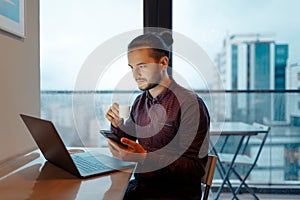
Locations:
(146, 70)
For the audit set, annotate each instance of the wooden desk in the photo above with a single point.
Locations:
(31, 177)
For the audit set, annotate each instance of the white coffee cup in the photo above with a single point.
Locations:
(124, 111)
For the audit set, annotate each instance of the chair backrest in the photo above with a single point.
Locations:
(209, 174)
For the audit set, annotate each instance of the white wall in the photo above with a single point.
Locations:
(19, 84)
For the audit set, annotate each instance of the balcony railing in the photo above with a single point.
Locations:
(79, 116)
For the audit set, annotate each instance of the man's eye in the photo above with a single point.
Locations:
(142, 66)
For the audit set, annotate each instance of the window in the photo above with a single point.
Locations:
(264, 41)
(70, 31)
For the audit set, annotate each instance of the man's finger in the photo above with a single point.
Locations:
(115, 145)
(112, 143)
(132, 144)
(113, 113)
(113, 151)
(115, 108)
(109, 117)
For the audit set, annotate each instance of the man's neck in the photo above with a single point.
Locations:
(160, 87)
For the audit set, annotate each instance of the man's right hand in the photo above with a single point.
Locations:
(113, 115)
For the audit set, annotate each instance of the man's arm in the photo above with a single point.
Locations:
(126, 130)
(187, 160)
(118, 126)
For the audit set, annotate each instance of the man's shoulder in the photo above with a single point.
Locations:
(185, 94)
(189, 98)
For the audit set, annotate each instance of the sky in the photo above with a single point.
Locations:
(71, 30)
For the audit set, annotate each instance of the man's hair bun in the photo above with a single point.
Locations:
(166, 36)
(161, 42)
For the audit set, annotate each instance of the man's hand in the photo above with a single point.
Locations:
(113, 115)
(133, 153)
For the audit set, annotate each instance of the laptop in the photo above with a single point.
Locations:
(83, 164)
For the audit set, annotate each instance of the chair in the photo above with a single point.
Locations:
(209, 174)
(245, 160)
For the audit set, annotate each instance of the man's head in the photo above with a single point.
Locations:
(148, 56)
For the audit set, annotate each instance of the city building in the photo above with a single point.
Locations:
(293, 83)
(254, 62)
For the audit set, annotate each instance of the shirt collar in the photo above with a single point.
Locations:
(163, 94)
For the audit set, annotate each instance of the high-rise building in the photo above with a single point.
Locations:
(293, 83)
(253, 62)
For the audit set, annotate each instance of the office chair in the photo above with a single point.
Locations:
(209, 174)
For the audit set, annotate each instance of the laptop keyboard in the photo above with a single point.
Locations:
(89, 164)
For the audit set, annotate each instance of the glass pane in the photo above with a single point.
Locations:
(255, 46)
(70, 31)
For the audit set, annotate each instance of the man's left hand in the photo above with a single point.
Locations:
(133, 153)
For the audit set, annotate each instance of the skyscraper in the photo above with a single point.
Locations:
(253, 62)
(293, 83)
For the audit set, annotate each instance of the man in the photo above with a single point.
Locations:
(169, 122)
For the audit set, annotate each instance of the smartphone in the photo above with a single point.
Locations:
(112, 136)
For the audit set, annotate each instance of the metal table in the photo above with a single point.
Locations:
(232, 129)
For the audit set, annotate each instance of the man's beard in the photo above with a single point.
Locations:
(149, 87)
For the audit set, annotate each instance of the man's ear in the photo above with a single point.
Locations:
(165, 62)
